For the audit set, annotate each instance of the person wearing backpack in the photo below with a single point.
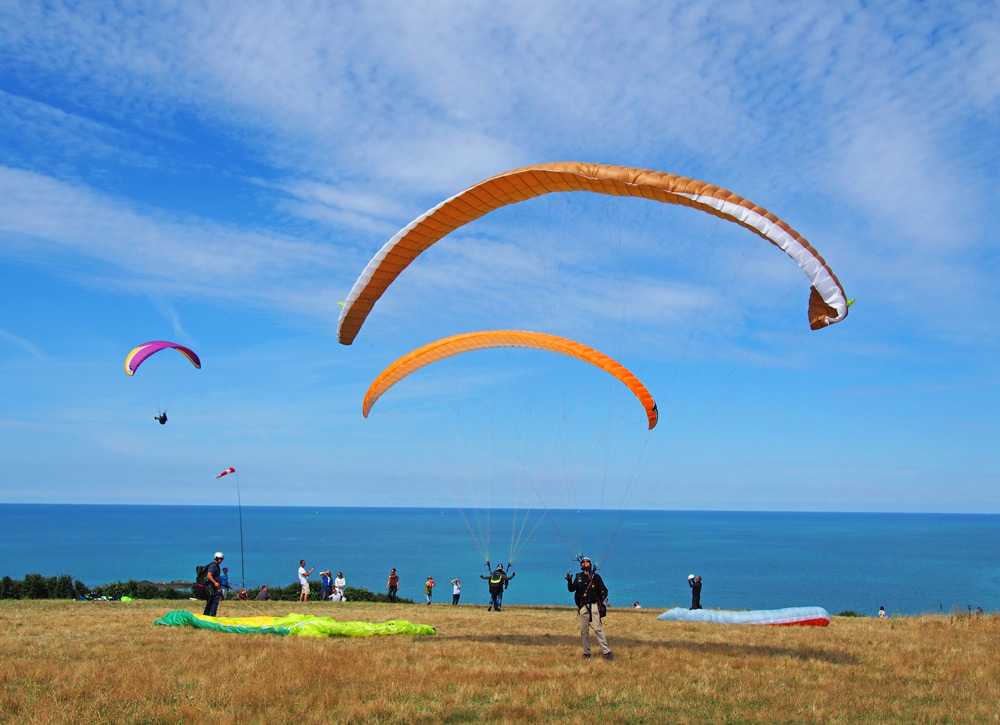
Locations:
(213, 585)
(498, 580)
(590, 596)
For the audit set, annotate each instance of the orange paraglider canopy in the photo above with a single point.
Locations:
(827, 304)
(470, 341)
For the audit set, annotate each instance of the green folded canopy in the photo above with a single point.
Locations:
(304, 625)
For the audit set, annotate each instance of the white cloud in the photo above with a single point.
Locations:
(131, 139)
(26, 345)
(42, 219)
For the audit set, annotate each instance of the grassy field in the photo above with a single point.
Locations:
(106, 662)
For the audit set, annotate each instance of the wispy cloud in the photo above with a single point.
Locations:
(145, 252)
(257, 157)
(25, 345)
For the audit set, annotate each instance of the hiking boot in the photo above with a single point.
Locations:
(586, 655)
(489, 608)
(608, 656)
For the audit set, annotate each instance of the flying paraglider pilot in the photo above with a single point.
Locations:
(162, 417)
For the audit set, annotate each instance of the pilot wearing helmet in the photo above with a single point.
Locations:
(590, 596)
(214, 576)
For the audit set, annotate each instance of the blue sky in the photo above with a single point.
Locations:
(219, 176)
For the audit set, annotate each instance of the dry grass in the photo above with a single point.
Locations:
(106, 662)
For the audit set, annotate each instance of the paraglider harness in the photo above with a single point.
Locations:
(602, 608)
(496, 581)
(202, 588)
(498, 578)
(590, 594)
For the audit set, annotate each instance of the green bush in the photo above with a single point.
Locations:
(291, 593)
(848, 613)
(116, 590)
(361, 594)
(34, 587)
(62, 588)
(10, 588)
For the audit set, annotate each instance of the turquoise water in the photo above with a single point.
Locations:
(910, 563)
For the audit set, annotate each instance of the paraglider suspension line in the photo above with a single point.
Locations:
(243, 566)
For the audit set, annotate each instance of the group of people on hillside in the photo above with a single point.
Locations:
(498, 581)
(589, 593)
(332, 589)
(212, 585)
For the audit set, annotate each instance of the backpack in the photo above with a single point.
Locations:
(496, 582)
(200, 589)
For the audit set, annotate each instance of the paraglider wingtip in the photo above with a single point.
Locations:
(851, 302)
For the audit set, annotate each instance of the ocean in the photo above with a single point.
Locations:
(909, 563)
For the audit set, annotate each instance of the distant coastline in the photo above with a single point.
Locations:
(750, 560)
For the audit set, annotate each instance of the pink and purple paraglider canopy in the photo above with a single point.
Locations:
(136, 357)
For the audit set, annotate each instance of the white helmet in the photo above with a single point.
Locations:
(219, 555)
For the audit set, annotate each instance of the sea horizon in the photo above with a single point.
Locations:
(511, 508)
(911, 563)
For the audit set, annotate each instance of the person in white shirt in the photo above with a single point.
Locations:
(338, 587)
(304, 580)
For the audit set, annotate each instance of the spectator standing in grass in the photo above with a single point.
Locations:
(304, 580)
(263, 595)
(224, 580)
(429, 588)
(393, 586)
(327, 583)
(456, 591)
(338, 586)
